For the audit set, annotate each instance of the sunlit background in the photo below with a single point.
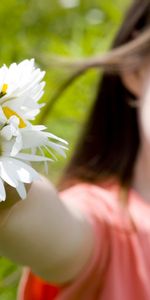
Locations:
(43, 29)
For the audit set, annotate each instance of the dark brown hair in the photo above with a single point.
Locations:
(109, 143)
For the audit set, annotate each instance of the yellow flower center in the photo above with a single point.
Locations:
(4, 90)
(9, 113)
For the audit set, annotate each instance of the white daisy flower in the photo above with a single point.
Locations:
(20, 90)
(22, 142)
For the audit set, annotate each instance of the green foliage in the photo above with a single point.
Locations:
(42, 29)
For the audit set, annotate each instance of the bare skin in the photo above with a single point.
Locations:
(138, 83)
(51, 237)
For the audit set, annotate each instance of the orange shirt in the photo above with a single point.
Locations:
(119, 268)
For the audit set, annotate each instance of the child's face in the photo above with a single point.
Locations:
(144, 103)
(138, 82)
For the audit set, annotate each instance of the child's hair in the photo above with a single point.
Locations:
(109, 144)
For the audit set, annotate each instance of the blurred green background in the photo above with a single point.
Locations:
(43, 29)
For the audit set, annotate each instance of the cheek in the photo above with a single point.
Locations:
(144, 115)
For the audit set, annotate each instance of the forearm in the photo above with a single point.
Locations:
(43, 233)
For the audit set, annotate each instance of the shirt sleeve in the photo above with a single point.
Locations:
(90, 280)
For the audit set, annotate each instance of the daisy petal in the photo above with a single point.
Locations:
(6, 173)
(2, 191)
(32, 157)
(17, 146)
(32, 138)
(21, 190)
(57, 148)
(45, 162)
(6, 132)
(39, 127)
(26, 173)
(50, 135)
(3, 119)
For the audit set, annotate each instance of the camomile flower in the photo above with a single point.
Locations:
(21, 87)
(15, 167)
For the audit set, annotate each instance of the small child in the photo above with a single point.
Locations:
(91, 240)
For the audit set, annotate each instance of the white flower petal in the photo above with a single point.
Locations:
(33, 151)
(31, 157)
(2, 191)
(6, 173)
(50, 152)
(50, 135)
(6, 132)
(6, 147)
(38, 127)
(33, 139)
(3, 119)
(45, 162)
(21, 190)
(36, 138)
(10, 167)
(14, 120)
(58, 148)
(26, 173)
(30, 115)
(17, 146)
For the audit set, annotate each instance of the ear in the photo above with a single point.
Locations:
(132, 82)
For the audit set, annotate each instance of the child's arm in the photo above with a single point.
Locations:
(43, 233)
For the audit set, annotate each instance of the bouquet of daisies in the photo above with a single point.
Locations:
(21, 88)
